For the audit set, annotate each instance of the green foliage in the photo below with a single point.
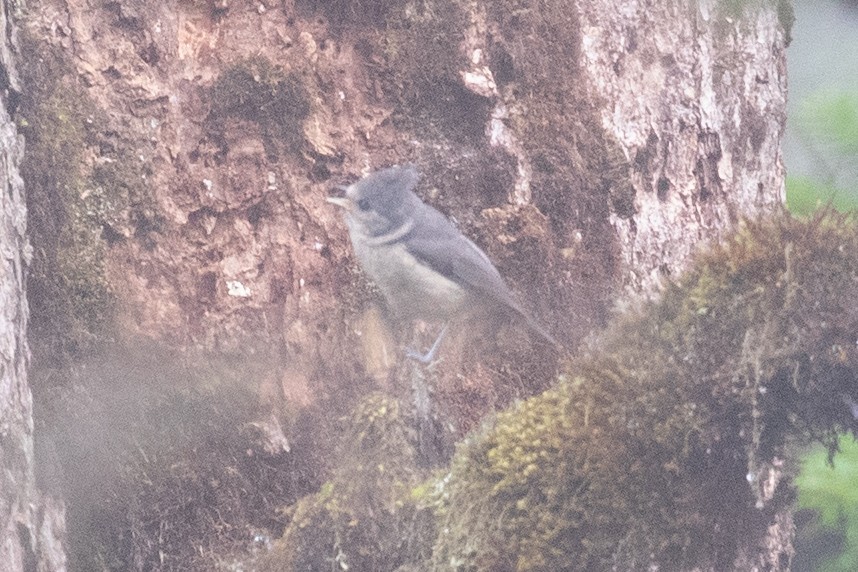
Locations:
(832, 117)
(805, 195)
(831, 493)
(828, 124)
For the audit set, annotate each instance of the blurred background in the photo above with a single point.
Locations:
(821, 156)
(821, 142)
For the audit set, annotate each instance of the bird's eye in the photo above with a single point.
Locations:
(363, 204)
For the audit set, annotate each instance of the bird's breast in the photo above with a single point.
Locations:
(412, 289)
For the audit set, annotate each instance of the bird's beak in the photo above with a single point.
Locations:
(343, 202)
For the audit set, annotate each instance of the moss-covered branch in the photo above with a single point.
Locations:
(657, 446)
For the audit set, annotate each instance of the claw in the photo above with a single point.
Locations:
(429, 356)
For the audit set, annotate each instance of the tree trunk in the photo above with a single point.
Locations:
(182, 151)
(31, 524)
(696, 96)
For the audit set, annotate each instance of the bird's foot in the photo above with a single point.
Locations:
(429, 356)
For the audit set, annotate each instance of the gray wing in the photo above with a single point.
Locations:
(438, 244)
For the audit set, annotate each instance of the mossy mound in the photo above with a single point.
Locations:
(654, 449)
(366, 516)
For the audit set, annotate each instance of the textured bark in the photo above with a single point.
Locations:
(31, 524)
(697, 100)
(588, 146)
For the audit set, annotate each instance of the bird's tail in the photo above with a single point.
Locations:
(538, 329)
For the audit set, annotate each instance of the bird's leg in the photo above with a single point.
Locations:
(429, 356)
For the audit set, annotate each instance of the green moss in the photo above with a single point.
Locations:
(255, 90)
(649, 450)
(121, 200)
(421, 43)
(643, 452)
(351, 12)
(557, 484)
(71, 303)
(78, 205)
(363, 518)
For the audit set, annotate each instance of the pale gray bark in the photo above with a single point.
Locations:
(31, 525)
(697, 99)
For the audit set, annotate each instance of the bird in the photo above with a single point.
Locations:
(423, 265)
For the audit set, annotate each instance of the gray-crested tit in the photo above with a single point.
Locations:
(425, 268)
